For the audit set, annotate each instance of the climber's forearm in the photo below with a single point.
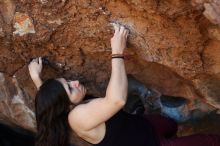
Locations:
(37, 81)
(118, 84)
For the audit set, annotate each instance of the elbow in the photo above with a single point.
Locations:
(119, 102)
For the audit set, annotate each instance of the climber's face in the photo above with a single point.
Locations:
(74, 90)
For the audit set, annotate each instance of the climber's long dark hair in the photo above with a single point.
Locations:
(52, 108)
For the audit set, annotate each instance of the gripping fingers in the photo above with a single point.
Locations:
(40, 60)
(122, 29)
(34, 60)
(116, 27)
(37, 60)
(127, 33)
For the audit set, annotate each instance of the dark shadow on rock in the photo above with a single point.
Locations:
(175, 108)
(139, 96)
(142, 99)
(15, 136)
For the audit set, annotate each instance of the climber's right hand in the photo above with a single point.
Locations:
(119, 40)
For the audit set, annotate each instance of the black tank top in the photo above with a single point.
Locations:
(124, 129)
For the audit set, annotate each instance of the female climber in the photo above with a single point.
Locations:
(60, 110)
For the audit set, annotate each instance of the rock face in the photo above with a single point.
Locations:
(209, 86)
(15, 105)
(171, 44)
(212, 11)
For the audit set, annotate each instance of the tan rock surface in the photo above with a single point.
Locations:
(211, 57)
(170, 44)
(211, 9)
(209, 86)
(15, 106)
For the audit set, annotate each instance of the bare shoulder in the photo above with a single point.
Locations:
(76, 121)
(75, 117)
(87, 116)
(79, 117)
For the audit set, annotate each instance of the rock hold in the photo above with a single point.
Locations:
(212, 9)
(23, 24)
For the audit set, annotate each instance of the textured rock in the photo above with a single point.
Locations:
(166, 81)
(211, 57)
(214, 32)
(170, 44)
(23, 24)
(7, 8)
(2, 34)
(212, 9)
(14, 105)
(209, 86)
